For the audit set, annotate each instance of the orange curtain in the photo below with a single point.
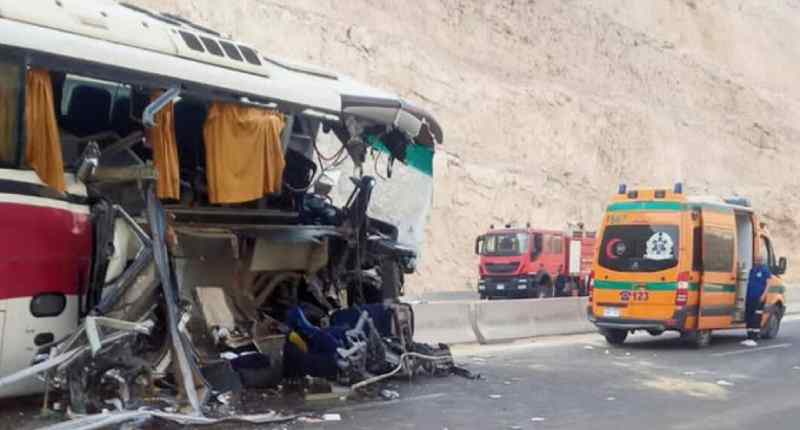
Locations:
(165, 153)
(43, 150)
(244, 157)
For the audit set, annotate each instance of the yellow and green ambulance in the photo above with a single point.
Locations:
(666, 261)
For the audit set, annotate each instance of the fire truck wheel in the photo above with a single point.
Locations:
(546, 287)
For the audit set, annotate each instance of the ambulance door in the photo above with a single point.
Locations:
(717, 305)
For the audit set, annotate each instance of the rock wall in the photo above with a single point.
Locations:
(548, 104)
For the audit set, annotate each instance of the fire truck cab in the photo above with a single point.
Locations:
(533, 263)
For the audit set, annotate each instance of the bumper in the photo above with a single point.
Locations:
(506, 287)
(677, 322)
(630, 324)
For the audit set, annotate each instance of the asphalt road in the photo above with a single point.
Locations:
(578, 382)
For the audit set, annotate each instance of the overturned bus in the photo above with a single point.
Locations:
(164, 198)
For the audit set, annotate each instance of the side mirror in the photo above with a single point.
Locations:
(781, 266)
(478, 243)
(90, 159)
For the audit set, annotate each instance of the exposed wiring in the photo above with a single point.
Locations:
(335, 161)
(397, 369)
(377, 157)
(334, 157)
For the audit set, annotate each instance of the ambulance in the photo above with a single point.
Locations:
(670, 262)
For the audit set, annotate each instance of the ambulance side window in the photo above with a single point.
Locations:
(697, 249)
(718, 250)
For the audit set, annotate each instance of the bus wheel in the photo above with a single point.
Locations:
(697, 338)
(615, 336)
(773, 324)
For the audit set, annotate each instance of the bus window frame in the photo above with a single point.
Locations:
(13, 56)
(109, 72)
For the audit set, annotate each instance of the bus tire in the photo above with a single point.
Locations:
(615, 337)
(773, 324)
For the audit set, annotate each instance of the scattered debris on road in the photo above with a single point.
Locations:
(390, 394)
(189, 351)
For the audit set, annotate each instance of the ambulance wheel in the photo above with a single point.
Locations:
(773, 324)
(697, 338)
(615, 336)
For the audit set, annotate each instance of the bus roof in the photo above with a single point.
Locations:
(106, 32)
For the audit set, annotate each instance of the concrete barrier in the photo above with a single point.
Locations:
(515, 319)
(561, 316)
(501, 320)
(505, 320)
(444, 322)
(496, 321)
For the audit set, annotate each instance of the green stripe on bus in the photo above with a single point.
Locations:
(650, 286)
(719, 288)
(646, 207)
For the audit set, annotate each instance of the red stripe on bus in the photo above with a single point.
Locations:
(43, 250)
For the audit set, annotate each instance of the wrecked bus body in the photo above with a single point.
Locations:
(164, 200)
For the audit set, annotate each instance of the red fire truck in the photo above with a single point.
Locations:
(534, 263)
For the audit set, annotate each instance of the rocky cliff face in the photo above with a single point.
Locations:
(549, 104)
